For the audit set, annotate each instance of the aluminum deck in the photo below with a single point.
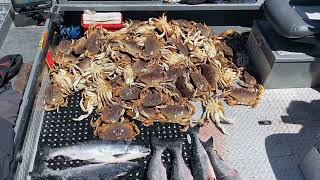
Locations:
(256, 151)
(273, 151)
(5, 19)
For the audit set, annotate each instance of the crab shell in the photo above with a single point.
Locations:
(152, 76)
(175, 71)
(177, 113)
(205, 30)
(84, 64)
(185, 87)
(64, 46)
(92, 44)
(149, 115)
(153, 98)
(249, 79)
(128, 93)
(242, 96)
(212, 74)
(130, 47)
(111, 113)
(227, 51)
(139, 66)
(80, 45)
(54, 98)
(200, 82)
(181, 47)
(121, 58)
(117, 131)
(64, 60)
(152, 47)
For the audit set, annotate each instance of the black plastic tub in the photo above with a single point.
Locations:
(32, 117)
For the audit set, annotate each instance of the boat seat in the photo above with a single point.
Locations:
(294, 19)
(30, 5)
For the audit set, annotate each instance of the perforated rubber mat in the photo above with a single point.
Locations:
(60, 130)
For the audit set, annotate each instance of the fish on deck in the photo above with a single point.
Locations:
(180, 170)
(88, 172)
(98, 152)
(156, 169)
(222, 171)
(200, 163)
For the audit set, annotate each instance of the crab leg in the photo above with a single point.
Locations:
(216, 119)
(225, 119)
(80, 118)
(49, 108)
(204, 117)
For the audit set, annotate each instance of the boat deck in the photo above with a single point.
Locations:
(255, 151)
(273, 151)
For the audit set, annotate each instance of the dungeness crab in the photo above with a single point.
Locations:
(87, 103)
(109, 114)
(150, 71)
(54, 98)
(214, 111)
(64, 80)
(178, 113)
(116, 131)
(242, 96)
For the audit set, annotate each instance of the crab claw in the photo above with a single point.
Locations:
(82, 117)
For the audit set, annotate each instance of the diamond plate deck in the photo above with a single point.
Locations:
(273, 151)
(5, 20)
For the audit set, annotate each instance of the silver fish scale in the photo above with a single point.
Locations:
(59, 130)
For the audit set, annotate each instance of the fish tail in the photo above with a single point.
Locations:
(158, 144)
(208, 145)
(174, 144)
(194, 131)
(37, 172)
(45, 153)
(222, 170)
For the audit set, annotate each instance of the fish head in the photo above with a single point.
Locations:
(139, 150)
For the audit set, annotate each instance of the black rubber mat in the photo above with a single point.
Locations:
(58, 130)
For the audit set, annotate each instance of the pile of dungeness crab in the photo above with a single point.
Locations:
(150, 71)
